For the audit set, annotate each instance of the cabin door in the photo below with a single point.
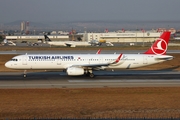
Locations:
(145, 60)
(24, 60)
(59, 61)
(100, 60)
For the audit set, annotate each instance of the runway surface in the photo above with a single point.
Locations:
(125, 78)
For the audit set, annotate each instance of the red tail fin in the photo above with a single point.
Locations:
(160, 46)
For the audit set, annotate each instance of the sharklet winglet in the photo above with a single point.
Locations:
(118, 59)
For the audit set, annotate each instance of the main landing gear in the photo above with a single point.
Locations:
(89, 73)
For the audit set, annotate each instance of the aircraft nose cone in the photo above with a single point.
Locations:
(7, 64)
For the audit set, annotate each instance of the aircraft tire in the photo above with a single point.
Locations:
(91, 75)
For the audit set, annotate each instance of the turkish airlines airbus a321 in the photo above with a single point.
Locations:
(84, 64)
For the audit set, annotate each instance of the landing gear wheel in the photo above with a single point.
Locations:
(91, 75)
(24, 75)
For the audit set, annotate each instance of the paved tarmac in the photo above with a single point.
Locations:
(127, 78)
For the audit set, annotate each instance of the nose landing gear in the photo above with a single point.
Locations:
(24, 75)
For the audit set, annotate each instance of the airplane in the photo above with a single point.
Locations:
(85, 64)
(66, 43)
(9, 43)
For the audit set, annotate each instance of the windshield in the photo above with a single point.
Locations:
(14, 59)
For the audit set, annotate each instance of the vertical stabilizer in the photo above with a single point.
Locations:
(160, 46)
(47, 38)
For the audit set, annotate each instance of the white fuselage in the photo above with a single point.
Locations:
(69, 43)
(64, 61)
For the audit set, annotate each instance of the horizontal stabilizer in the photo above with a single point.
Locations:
(165, 58)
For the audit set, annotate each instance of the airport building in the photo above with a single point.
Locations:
(122, 37)
(135, 36)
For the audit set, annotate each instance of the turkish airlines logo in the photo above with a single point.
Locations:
(159, 47)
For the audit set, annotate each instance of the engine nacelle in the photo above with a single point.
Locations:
(75, 71)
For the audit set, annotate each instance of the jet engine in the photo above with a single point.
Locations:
(75, 71)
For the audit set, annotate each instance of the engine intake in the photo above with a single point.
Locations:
(75, 71)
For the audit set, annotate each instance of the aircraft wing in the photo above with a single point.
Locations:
(100, 64)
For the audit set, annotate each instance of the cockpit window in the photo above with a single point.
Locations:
(14, 59)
